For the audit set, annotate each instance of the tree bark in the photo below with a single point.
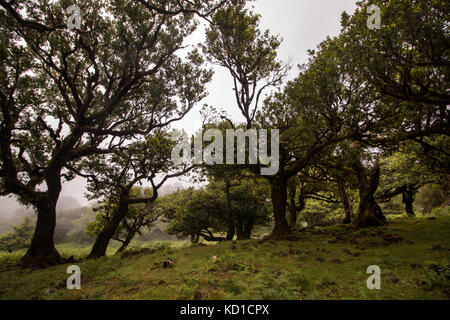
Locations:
(195, 238)
(248, 227)
(239, 226)
(408, 200)
(292, 208)
(346, 201)
(244, 227)
(208, 236)
(279, 199)
(231, 228)
(109, 230)
(126, 242)
(369, 212)
(42, 251)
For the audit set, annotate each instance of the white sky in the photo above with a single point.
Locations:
(302, 24)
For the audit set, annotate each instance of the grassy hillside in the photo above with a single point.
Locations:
(325, 263)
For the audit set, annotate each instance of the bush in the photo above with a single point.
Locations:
(429, 197)
(19, 237)
(441, 211)
(317, 213)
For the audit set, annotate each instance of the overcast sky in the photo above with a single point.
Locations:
(302, 24)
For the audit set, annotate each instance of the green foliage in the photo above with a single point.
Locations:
(319, 213)
(235, 42)
(430, 197)
(406, 30)
(436, 275)
(204, 212)
(440, 211)
(394, 206)
(19, 237)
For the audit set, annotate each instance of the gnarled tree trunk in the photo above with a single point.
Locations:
(244, 227)
(346, 201)
(292, 208)
(109, 230)
(408, 200)
(126, 242)
(42, 251)
(369, 212)
(209, 236)
(279, 200)
(230, 222)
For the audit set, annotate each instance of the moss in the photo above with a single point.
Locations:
(416, 267)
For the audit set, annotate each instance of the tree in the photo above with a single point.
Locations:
(19, 237)
(250, 206)
(66, 94)
(405, 171)
(231, 180)
(408, 57)
(314, 183)
(322, 107)
(194, 213)
(205, 212)
(235, 42)
(113, 176)
(405, 63)
(369, 212)
(138, 217)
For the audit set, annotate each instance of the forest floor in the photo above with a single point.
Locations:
(321, 263)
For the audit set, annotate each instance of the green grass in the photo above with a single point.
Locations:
(324, 263)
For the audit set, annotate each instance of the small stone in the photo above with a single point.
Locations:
(168, 263)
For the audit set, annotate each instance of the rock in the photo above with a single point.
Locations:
(168, 263)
